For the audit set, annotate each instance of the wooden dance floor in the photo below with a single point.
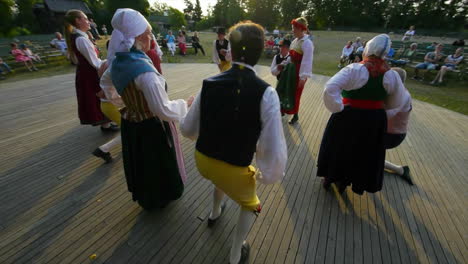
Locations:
(60, 204)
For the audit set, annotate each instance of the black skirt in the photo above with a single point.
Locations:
(352, 149)
(150, 163)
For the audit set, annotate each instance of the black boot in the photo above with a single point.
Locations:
(294, 119)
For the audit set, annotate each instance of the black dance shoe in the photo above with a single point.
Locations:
(294, 119)
(111, 128)
(406, 175)
(106, 156)
(326, 183)
(212, 222)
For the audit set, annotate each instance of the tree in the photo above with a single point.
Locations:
(293, 9)
(264, 12)
(140, 5)
(6, 14)
(197, 12)
(25, 17)
(188, 10)
(176, 18)
(228, 12)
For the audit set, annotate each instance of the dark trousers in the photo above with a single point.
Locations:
(197, 46)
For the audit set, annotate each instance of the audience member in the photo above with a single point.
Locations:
(346, 53)
(21, 57)
(4, 66)
(450, 64)
(431, 61)
(30, 54)
(182, 43)
(59, 43)
(408, 34)
(104, 30)
(406, 56)
(196, 44)
(170, 42)
(459, 43)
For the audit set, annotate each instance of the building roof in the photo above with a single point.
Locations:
(62, 6)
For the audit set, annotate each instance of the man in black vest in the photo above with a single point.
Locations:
(280, 59)
(222, 51)
(235, 116)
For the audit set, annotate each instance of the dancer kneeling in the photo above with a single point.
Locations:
(235, 115)
(353, 147)
(153, 174)
(397, 126)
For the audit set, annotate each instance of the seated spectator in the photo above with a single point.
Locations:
(409, 34)
(182, 43)
(104, 30)
(406, 57)
(196, 44)
(4, 66)
(269, 45)
(431, 61)
(358, 52)
(30, 54)
(432, 46)
(170, 42)
(390, 54)
(357, 43)
(459, 43)
(21, 57)
(278, 39)
(450, 64)
(59, 43)
(346, 53)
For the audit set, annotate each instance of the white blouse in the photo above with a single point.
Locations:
(271, 153)
(307, 58)
(273, 68)
(87, 49)
(153, 87)
(353, 77)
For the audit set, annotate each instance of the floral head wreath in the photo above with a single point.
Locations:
(300, 23)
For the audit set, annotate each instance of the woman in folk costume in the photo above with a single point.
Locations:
(233, 123)
(84, 53)
(295, 74)
(155, 53)
(154, 174)
(222, 51)
(353, 148)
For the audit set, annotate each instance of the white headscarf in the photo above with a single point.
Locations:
(378, 46)
(128, 24)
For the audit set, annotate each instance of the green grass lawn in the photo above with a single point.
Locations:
(328, 45)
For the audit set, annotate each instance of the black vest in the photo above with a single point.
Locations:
(220, 47)
(278, 61)
(230, 123)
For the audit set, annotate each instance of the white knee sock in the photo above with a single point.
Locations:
(246, 218)
(390, 166)
(115, 141)
(217, 199)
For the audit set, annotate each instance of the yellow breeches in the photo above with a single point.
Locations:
(111, 111)
(225, 65)
(237, 182)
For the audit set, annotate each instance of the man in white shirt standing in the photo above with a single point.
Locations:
(231, 125)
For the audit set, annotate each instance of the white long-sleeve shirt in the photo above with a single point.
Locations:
(355, 76)
(274, 67)
(216, 58)
(271, 152)
(153, 87)
(307, 58)
(347, 51)
(87, 49)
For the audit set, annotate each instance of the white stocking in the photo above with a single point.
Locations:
(217, 199)
(393, 167)
(115, 141)
(246, 218)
